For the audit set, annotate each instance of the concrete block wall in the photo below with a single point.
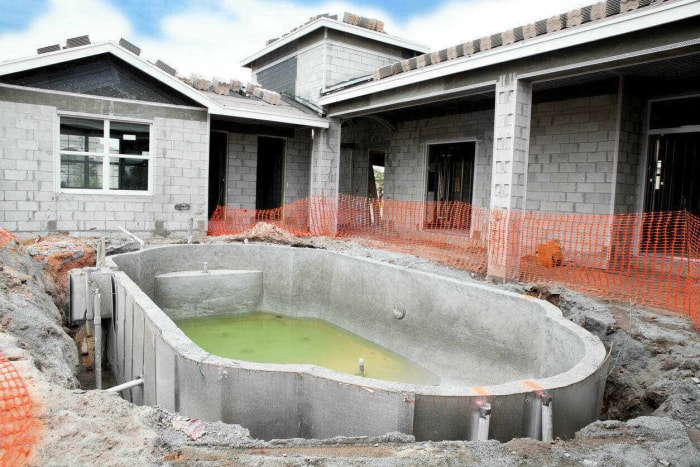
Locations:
(29, 197)
(572, 151)
(310, 73)
(345, 172)
(511, 137)
(405, 171)
(360, 169)
(325, 155)
(346, 61)
(320, 60)
(631, 160)
(241, 170)
(297, 164)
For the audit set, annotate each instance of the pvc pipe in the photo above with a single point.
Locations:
(98, 339)
(190, 225)
(482, 432)
(102, 253)
(141, 242)
(547, 420)
(128, 385)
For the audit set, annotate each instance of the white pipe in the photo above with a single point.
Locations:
(128, 385)
(141, 242)
(97, 312)
(482, 432)
(190, 226)
(547, 422)
(103, 253)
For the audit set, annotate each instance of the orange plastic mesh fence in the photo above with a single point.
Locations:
(648, 258)
(17, 425)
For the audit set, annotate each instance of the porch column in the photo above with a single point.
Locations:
(323, 187)
(509, 174)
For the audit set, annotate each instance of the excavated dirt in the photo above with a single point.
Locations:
(651, 411)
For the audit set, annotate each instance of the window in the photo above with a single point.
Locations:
(87, 163)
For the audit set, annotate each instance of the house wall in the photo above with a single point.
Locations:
(241, 176)
(297, 175)
(572, 152)
(350, 57)
(573, 145)
(404, 175)
(241, 170)
(311, 71)
(631, 159)
(29, 196)
(322, 59)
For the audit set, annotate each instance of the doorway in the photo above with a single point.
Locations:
(218, 142)
(270, 173)
(450, 182)
(375, 180)
(673, 173)
(673, 165)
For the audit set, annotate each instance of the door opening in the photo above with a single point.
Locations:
(217, 170)
(672, 173)
(673, 165)
(450, 180)
(270, 174)
(375, 181)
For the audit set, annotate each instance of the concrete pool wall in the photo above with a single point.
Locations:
(485, 345)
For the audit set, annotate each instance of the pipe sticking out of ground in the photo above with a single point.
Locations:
(97, 319)
(128, 385)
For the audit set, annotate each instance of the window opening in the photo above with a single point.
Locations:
(87, 163)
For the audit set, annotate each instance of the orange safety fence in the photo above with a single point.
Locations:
(646, 258)
(17, 424)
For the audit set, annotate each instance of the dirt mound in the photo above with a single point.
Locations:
(29, 313)
(262, 232)
(59, 254)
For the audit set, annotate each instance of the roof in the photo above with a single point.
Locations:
(244, 107)
(342, 26)
(251, 107)
(599, 21)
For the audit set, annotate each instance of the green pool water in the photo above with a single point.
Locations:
(269, 338)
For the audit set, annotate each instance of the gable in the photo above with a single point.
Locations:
(101, 75)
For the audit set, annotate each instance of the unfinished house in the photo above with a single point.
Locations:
(595, 111)
(516, 154)
(95, 137)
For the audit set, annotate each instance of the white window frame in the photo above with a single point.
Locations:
(105, 190)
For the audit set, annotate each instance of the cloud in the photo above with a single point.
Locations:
(212, 37)
(63, 19)
(213, 43)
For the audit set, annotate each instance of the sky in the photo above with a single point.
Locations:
(210, 38)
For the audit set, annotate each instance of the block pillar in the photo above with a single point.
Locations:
(323, 186)
(509, 174)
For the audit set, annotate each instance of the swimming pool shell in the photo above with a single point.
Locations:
(485, 345)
